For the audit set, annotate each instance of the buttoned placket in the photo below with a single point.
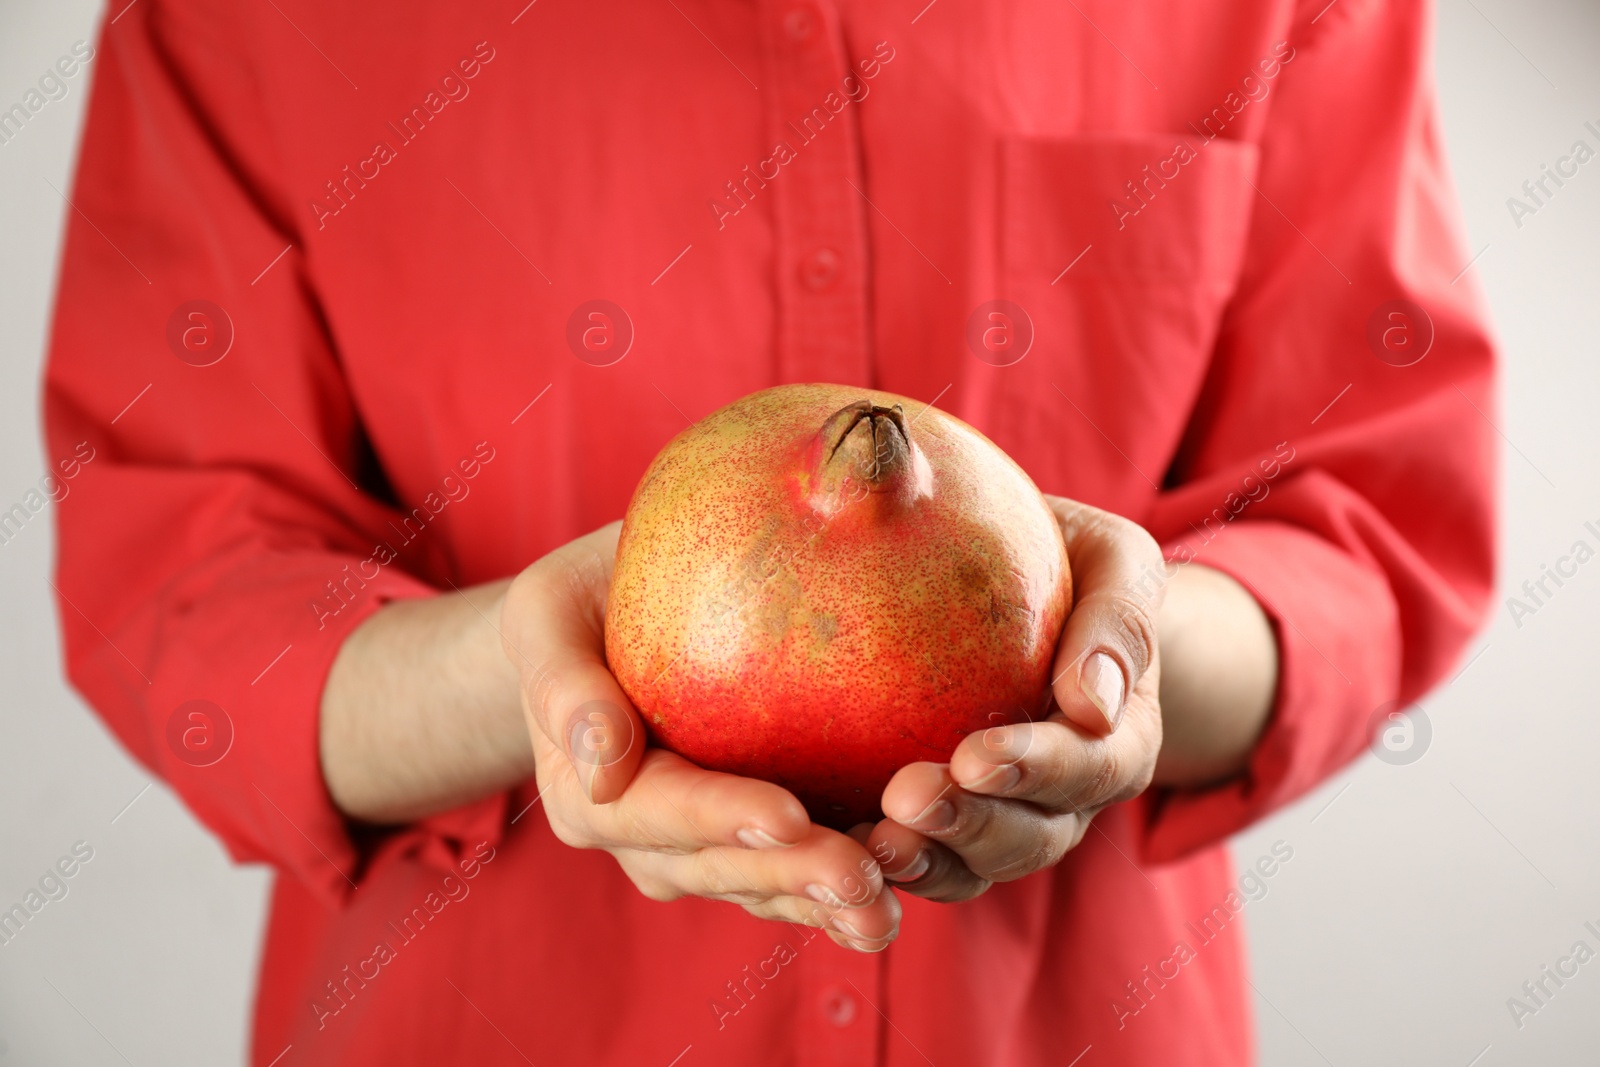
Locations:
(820, 229)
(818, 213)
(839, 1019)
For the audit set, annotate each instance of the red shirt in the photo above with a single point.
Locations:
(398, 217)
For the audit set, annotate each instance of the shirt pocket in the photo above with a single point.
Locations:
(1124, 288)
(1155, 209)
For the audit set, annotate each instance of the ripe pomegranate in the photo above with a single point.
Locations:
(819, 584)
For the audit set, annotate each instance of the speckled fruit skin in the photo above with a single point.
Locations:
(817, 591)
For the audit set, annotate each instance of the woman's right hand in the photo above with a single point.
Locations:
(676, 829)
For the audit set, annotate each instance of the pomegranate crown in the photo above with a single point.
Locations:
(875, 440)
(865, 450)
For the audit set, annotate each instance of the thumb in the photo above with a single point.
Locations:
(1109, 643)
(552, 630)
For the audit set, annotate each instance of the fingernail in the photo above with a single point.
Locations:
(999, 780)
(1101, 681)
(756, 837)
(872, 944)
(939, 815)
(583, 750)
(823, 895)
(913, 870)
(859, 941)
(847, 930)
(598, 733)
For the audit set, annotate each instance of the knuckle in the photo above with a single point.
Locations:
(583, 568)
(1054, 760)
(550, 569)
(715, 877)
(857, 888)
(523, 589)
(564, 576)
(952, 878)
(972, 819)
(1134, 538)
(640, 826)
(1035, 842)
(708, 881)
(1102, 777)
(1133, 627)
(541, 679)
(699, 796)
(1042, 853)
(539, 581)
(1137, 782)
(854, 875)
(656, 888)
(575, 833)
(1112, 778)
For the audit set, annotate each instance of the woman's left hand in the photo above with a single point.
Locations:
(1014, 799)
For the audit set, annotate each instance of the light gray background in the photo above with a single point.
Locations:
(1420, 897)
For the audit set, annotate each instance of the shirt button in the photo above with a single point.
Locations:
(820, 269)
(798, 24)
(839, 1008)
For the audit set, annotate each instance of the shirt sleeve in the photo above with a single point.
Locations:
(1340, 464)
(229, 529)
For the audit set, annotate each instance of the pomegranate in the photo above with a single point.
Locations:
(819, 584)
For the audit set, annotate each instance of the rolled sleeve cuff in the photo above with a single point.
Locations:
(266, 797)
(1339, 658)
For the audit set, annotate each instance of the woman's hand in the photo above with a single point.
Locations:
(1013, 799)
(1150, 651)
(675, 829)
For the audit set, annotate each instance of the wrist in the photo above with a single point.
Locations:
(1219, 668)
(421, 711)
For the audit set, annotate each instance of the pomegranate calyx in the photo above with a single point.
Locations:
(875, 442)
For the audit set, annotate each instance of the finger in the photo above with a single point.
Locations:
(870, 929)
(552, 630)
(673, 806)
(826, 867)
(1058, 768)
(998, 840)
(903, 855)
(922, 867)
(832, 872)
(850, 930)
(1119, 579)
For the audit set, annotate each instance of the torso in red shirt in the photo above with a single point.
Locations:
(1136, 246)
